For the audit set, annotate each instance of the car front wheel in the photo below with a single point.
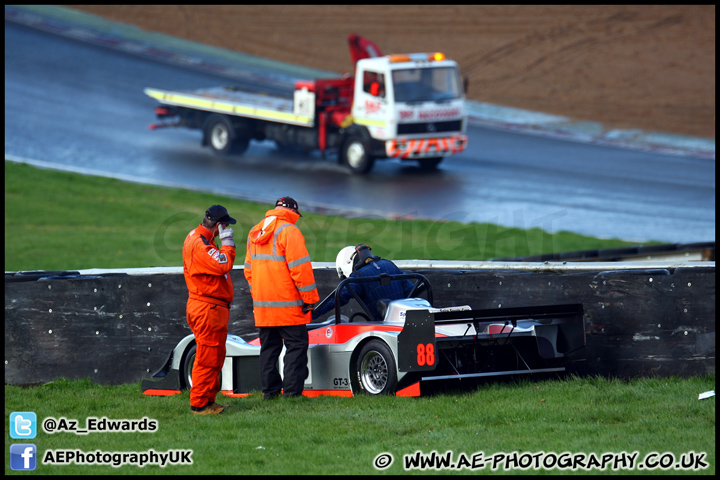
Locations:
(187, 368)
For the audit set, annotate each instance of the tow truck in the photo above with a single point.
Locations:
(402, 106)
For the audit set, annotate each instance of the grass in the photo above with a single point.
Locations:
(330, 435)
(63, 221)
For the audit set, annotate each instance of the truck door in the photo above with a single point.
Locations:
(370, 107)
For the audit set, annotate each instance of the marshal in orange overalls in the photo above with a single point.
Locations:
(207, 275)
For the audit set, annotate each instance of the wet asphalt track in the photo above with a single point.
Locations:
(78, 105)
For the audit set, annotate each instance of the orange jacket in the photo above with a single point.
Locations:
(207, 269)
(278, 269)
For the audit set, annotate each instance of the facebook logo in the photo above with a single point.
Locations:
(23, 425)
(23, 456)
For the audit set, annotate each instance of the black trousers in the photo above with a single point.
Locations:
(295, 369)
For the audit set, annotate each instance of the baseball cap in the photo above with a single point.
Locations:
(288, 202)
(218, 213)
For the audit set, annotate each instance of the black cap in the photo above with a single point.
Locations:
(288, 202)
(218, 213)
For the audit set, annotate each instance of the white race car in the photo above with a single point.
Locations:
(414, 344)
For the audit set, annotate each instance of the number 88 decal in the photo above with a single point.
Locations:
(425, 354)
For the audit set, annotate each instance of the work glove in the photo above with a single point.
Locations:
(226, 235)
(307, 307)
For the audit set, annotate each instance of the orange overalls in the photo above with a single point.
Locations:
(207, 275)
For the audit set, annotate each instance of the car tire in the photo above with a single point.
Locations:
(375, 369)
(187, 368)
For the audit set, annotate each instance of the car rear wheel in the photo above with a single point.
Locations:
(375, 368)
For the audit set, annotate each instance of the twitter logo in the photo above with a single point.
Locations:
(23, 425)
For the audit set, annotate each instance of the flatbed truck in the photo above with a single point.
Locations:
(409, 107)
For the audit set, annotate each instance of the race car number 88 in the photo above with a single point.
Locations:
(425, 354)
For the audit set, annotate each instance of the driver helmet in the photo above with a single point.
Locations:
(351, 258)
(344, 262)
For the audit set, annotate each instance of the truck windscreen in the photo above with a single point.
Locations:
(426, 84)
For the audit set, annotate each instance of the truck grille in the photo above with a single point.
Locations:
(429, 127)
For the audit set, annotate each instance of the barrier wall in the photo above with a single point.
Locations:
(119, 327)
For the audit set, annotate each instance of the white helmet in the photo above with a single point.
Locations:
(344, 262)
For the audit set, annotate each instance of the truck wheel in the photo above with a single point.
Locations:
(222, 137)
(375, 369)
(356, 154)
(430, 163)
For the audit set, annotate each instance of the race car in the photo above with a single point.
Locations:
(415, 343)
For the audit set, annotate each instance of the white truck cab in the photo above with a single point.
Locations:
(413, 103)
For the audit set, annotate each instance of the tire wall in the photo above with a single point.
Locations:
(119, 328)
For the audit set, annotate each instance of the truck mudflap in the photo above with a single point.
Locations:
(493, 342)
(414, 148)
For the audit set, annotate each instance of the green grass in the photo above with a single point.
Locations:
(63, 221)
(330, 435)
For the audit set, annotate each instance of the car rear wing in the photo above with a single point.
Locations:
(559, 330)
(542, 314)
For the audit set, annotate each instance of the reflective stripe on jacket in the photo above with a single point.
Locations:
(279, 272)
(207, 268)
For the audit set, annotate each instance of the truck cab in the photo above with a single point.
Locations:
(413, 107)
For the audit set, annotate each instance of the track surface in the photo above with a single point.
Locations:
(81, 106)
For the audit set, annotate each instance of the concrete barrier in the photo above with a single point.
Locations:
(119, 326)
